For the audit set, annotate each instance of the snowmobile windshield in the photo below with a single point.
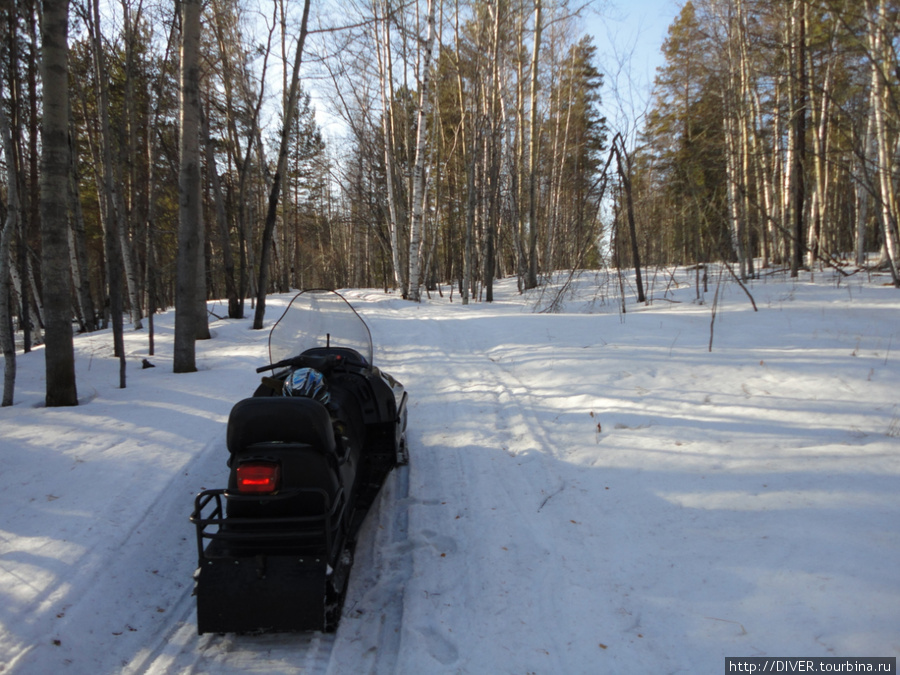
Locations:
(316, 319)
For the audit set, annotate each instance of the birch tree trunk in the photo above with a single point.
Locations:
(747, 133)
(820, 120)
(418, 192)
(129, 264)
(386, 76)
(861, 167)
(59, 352)
(533, 144)
(733, 181)
(466, 135)
(775, 179)
(77, 243)
(624, 169)
(560, 142)
(880, 55)
(735, 137)
(763, 182)
(518, 180)
(116, 226)
(29, 218)
(492, 157)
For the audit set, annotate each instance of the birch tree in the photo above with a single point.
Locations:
(77, 243)
(384, 54)
(533, 146)
(231, 291)
(799, 96)
(418, 192)
(131, 26)
(883, 61)
(110, 183)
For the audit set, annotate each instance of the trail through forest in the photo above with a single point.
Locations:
(588, 491)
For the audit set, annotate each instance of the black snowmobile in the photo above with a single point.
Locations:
(308, 453)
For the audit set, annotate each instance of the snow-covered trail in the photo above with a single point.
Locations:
(603, 494)
(587, 492)
(477, 479)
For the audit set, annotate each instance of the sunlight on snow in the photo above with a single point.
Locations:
(26, 575)
(734, 500)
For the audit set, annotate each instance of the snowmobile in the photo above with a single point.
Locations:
(307, 454)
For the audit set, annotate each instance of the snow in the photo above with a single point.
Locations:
(589, 491)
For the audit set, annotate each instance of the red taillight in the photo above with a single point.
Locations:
(258, 477)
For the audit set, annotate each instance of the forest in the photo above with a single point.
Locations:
(158, 154)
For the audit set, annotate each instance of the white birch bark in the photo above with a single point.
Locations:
(861, 171)
(385, 72)
(533, 143)
(880, 54)
(819, 206)
(416, 227)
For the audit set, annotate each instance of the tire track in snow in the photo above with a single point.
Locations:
(184, 653)
(144, 578)
(529, 486)
(471, 509)
(369, 635)
(397, 512)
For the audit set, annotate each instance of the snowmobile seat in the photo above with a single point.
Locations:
(279, 419)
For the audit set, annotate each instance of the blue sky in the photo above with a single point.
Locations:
(628, 35)
(638, 24)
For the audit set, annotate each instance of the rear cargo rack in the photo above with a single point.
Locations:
(262, 574)
(241, 537)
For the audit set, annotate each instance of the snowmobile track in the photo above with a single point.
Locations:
(507, 463)
(374, 607)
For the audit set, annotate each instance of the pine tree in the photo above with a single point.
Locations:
(578, 132)
(685, 139)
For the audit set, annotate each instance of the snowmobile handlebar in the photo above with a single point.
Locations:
(322, 363)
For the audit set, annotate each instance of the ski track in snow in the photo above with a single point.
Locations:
(587, 492)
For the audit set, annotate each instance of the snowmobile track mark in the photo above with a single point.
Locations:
(530, 490)
(392, 616)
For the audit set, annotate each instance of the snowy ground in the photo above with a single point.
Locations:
(589, 491)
